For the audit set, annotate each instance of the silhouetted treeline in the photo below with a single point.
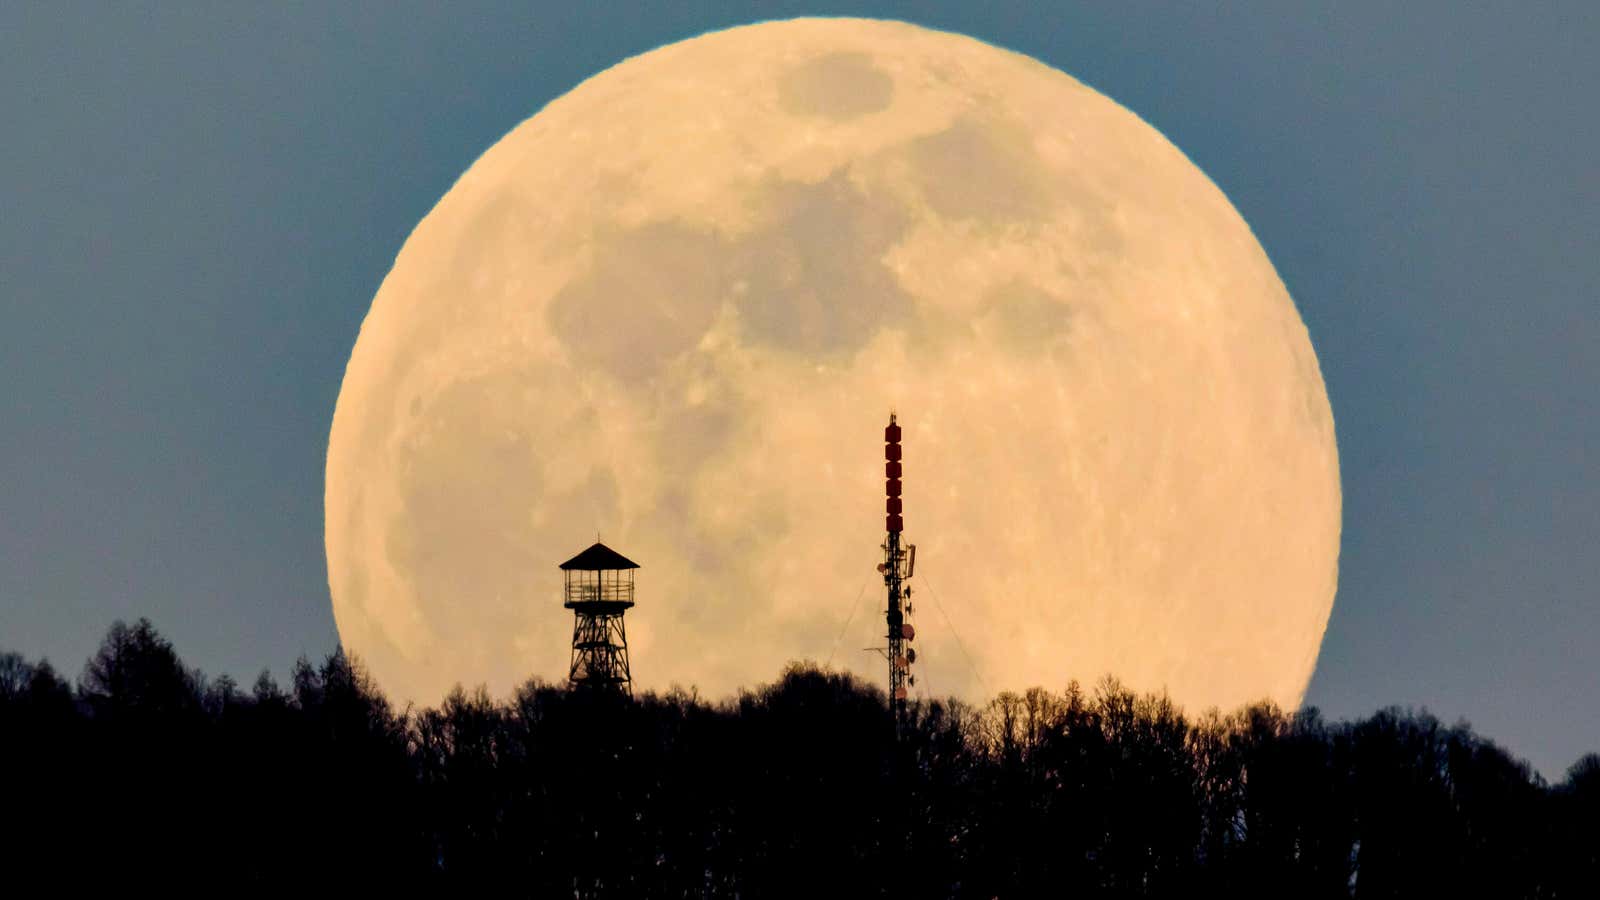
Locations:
(147, 773)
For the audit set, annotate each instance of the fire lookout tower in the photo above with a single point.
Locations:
(599, 589)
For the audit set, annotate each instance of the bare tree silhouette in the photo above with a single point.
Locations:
(798, 787)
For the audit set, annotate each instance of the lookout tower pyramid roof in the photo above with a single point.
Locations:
(598, 558)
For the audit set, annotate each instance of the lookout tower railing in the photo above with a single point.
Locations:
(608, 586)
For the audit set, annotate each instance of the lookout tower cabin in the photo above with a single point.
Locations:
(599, 589)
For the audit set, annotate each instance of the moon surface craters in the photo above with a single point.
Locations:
(649, 294)
(478, 485)
(808, 279)
(836, 86)
(1024, 317)
(984, 169)
(813, 280)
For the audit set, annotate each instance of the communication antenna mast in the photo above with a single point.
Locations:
(899, 563)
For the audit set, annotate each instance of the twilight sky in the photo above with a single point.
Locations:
(196, 207)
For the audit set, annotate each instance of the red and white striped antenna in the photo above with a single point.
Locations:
(897, 567)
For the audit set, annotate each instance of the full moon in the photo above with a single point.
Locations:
(675, 308)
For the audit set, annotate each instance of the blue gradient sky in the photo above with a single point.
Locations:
(198, 203)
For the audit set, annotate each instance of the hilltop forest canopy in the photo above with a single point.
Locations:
(796, 788)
